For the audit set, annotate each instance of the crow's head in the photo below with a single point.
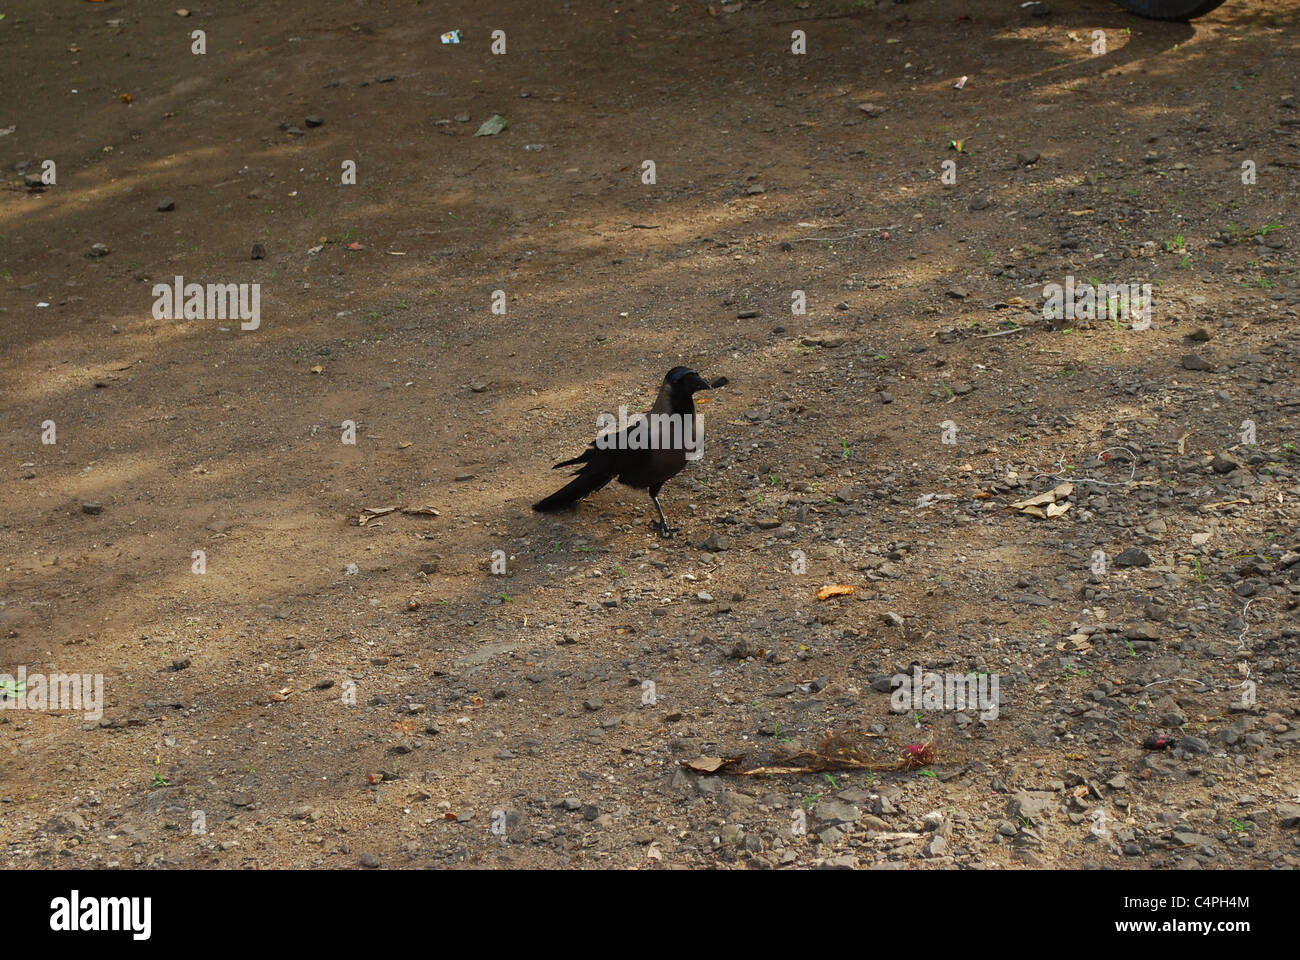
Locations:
(683, 382)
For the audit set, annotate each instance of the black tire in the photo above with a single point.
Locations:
(1169, 9)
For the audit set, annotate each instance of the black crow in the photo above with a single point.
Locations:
(646, 453)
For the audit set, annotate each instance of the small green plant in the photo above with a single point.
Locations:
(12, 689)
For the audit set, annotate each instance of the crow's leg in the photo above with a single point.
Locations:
(664, 529)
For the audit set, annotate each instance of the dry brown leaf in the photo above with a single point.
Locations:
(1222, 503)
(371, 513)
(1058, 492)
(835, 590)
(706, 764)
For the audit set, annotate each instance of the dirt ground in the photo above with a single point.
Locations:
(330, 693)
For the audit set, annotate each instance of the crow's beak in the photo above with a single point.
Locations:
(699, 383)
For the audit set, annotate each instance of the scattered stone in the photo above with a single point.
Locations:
(836, 812)
(1288, 815)
(1133, 557)
(66, 823)
(92, 507)
(1224, 464)
(716, 543)
(166, 204)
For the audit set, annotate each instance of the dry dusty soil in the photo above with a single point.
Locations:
(473, 684)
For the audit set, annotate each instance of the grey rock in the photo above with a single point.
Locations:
(1133, 557)
(716, 543)
(1031, 805)
(1288, 815)
(836, 812)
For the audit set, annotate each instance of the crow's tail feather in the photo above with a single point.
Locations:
(577, 488)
